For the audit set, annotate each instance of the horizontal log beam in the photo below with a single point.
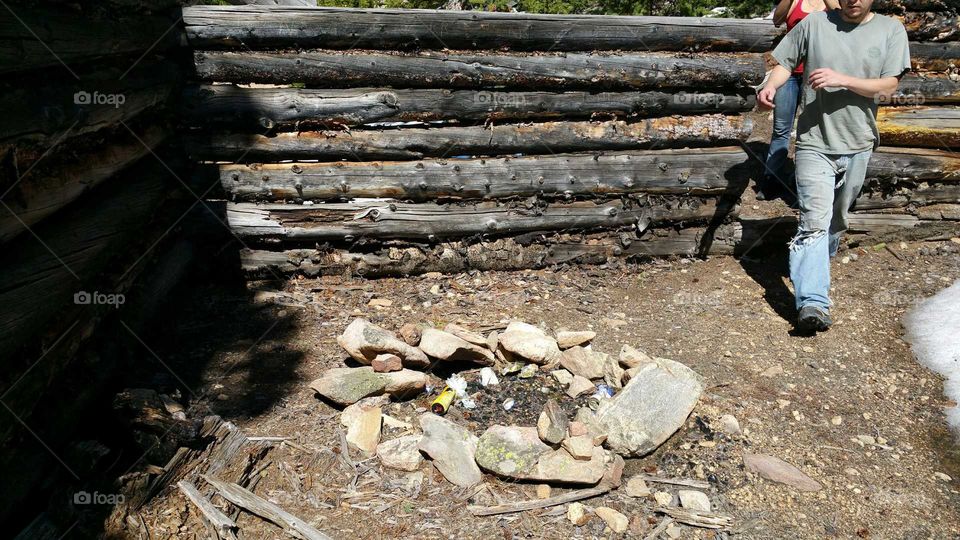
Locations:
(916, 90)
(701, 171)
(879, 197)
(900, 6)
(930, 127)
(260, 108)
(935, 57)
(929, 26)
(527, 139)
(349, 222)
(553, 71)
(257, 27)
(892, 164)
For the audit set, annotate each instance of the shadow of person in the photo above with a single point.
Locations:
(769, 269)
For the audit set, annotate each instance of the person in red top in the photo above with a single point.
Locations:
(775, 181)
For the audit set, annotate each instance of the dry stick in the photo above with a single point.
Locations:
(706, 520)
(660, 528)
(522, 506)
(293, 525)
(223, 525)
(675, 481)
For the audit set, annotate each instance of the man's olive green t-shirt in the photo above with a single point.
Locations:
(837, 120)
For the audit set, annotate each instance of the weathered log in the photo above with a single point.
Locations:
(36, 38)
(40, 110)
(892, 164)
(507, 139)
(699, 171)
(348, 222)
(292, 107)
(900, 6)
(225, 527)
(256, 27)
(932, 26)
(877, 197)
(935, 57)
(429, 69)
(917, 90)
(930, 127)
(37, 192)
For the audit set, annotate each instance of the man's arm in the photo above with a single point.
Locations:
(778, 77)
(881, 88)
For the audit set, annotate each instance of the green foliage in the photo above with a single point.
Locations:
(675, 8)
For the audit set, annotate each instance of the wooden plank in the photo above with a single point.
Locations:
(258, 27)
(917, 90)
(418, 143)
(441, 69)
(33, 194)
(876, 197)
(348, 222)
(935, 57)
(893, 164)
(697, 171)
(930, 127)
(239, 496)
(534, 504)
(259, 108)
(37, 38)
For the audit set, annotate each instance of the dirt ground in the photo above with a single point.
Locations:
(850, 407)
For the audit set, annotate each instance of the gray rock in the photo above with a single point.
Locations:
(346, 386)
(694, 500)
(631, 358)
(777, 470)
(552, 423)
(402, 453)
(579, 447)
(650, 408)
(452, 448)
(583, 362)
(579, 386)
(364, 340)
(567, 339)
(510, 451)
(529, 342)
(560, 466)
(612, 372)
(448, 347)
(466, 335)
(563, 377)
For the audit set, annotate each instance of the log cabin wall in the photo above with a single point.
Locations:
(393, 142)
(88, 196)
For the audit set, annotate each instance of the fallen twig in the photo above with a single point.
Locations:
(239, 496)
(706, 520)
(223, 525)
(534, 504)
(659, 529)
(675, 481)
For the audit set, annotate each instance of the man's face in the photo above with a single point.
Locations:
(855, 9)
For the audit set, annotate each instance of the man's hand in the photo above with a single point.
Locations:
(828, 78)
(765, 97)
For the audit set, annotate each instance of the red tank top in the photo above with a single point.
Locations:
(795, 16)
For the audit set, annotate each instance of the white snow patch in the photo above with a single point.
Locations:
(933, 330)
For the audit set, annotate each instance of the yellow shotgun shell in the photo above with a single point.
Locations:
(443, 401)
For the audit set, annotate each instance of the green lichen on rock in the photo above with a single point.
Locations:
(510, 451)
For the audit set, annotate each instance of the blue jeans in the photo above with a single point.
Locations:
(785, 109)
(827, 187)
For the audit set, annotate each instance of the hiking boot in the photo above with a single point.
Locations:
(814, 319)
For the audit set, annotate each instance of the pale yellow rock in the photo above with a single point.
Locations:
(663, 498)
(577, 514)
(364, 433)
(615, 520)
(637, 487)
(543, 491)
(579, 447)
(567, 339)
(578, 386)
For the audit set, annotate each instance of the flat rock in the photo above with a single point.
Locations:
(510, 451)
(617, 522)
(346, 386)
(577, 514)
(351, 413)
(663, 498)
(560, 466)
(777, 470)
(364, 340)
(567, 339)
(562, 376)
(410, 333)
(364, 433)
(385, 363)
(466, 335)
(402, 453)
(579, 447)
(637, 487)
(583, 362)
(529, 342)
(448, 347)
(631, 358)
(552, 423)
(612, 372)
(579, 386)
(493, 340)
(650, 408)
(730, 425)
(694, 500)
(452, 448)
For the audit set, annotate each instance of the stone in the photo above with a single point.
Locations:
(543, 491)
(510, 451)
(577, 514)
(351, 413)
(394, 423)
(730, 425)
(562, 376)
(579, 386)
(944, 477)
(380, 302)
(663, 498)
(466, 335)
(529, 371)
(511, 368)
(410, 333)
(631, 358)
(364, 433)
(346, 386)
(567, 339)
(777, 470)
(613, 476)
(402, 453)
(576, 429)
(493, 340)
(694, 500)
(560, 466)
(529, 342)
(450, 348)
(385, 363)
(617, 522)
(582, 362)
(651, 407)
(452, 448)
(637, 487)
(364, 340)
(673, 531)
(552, 423)
(612, 372)
(579, 447)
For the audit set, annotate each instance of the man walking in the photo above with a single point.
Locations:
(853, 60)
